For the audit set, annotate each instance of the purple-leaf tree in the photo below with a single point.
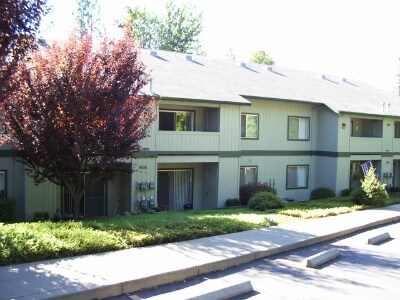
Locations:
(19, 23)
(75, 112)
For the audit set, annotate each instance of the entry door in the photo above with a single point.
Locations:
(175, 189)
(210, 185)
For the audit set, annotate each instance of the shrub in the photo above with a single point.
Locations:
(7, 210)
(232, 202)
(358, 196)
(372, 191)
(266, 200)
(246, 191)
(392, 189)
(346, 192)
(322, 193)
(41, 216)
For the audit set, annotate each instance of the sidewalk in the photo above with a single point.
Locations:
(114, 273)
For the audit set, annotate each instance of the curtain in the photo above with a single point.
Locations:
(182, 189)
(303, 129)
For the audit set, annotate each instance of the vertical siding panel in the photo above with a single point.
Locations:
(44, 197)
(228, 183)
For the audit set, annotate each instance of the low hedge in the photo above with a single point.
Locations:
(265, 200)
(322, 193)
(246, 191)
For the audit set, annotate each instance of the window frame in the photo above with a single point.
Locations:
(175, 111)
(5, 182)
(249, 167)
(258, 126)
(372, 122)
(396, 125)
(309, 128)
(307, 178)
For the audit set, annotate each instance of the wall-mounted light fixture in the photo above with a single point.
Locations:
(344, 125)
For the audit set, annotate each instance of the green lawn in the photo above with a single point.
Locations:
(23, 242)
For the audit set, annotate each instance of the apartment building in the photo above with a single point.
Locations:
(223, 123)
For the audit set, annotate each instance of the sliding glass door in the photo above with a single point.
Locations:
(175, 189)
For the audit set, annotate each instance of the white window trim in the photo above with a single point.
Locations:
(248, 167)
(306, 177)
(258, 126)
(306, 128)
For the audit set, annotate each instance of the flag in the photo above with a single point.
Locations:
(366, 166)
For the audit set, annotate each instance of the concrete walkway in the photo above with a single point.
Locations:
(114, 273)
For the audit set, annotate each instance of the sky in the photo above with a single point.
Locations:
(356, 39)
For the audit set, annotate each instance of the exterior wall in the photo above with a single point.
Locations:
(228, 181)
(325, 173)
(230, 127)
(15, 185)
(144, 170)
(327, 127)
(383, 150)
(327, 153)
(44, 197)
(274, 168)
(272, 152)
(273, 125)
(113, 192)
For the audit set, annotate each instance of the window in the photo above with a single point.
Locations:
(3, 183)
(299, 128)
(249, 128)
(176, 120)
(248, 174)
(397, 129)
(366, 128)
(297, 177)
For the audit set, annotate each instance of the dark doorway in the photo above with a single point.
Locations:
(93, 203)
(175, 189)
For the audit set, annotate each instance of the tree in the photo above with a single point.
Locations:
(19, 23)
(178, 31)
(261, 57)
(75, 112)
(88, 17)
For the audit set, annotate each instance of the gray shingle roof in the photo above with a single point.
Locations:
(225, 81)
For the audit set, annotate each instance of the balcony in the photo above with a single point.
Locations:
(188, 141)
(188, 129)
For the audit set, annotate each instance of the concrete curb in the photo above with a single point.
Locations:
(214, 289)
(321, 258)
(179, 275)
(379, 238)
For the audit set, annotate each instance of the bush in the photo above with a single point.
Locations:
(392, 189)
(232, 202)
(346, 192)
(248, 190)
(41, 216)
(372, 192)
(358, 196)
(266, 200)
(322, 193)
(7, 210)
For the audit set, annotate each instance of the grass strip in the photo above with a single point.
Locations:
(27, 242)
